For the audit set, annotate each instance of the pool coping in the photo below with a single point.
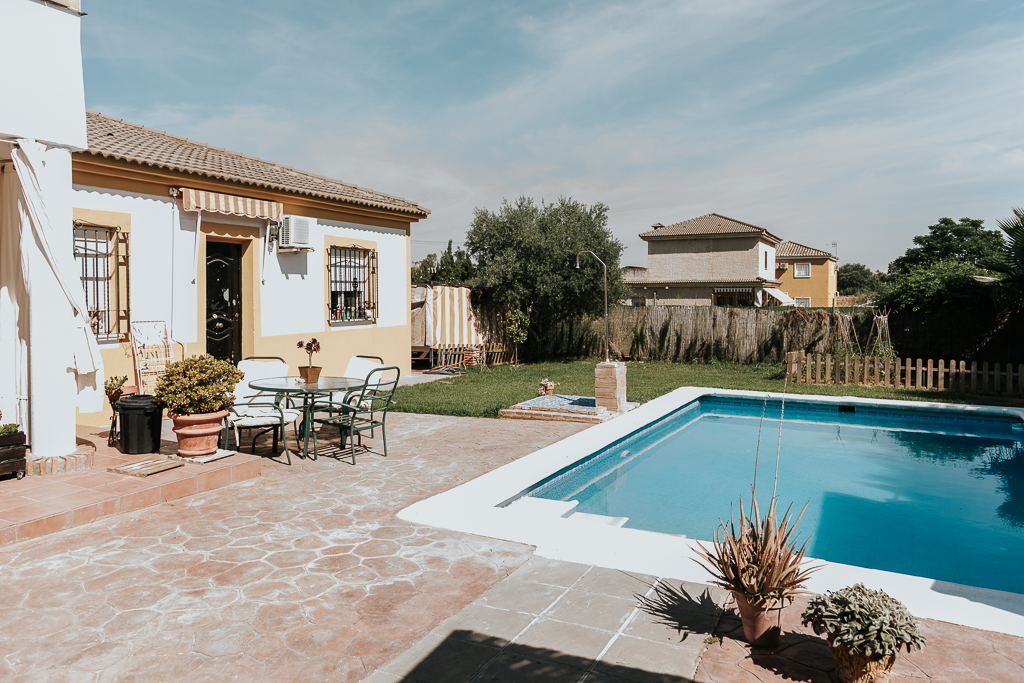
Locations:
(559, 533)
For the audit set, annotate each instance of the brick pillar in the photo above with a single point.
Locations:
(610, 386)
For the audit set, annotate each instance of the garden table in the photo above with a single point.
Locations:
(308, 392)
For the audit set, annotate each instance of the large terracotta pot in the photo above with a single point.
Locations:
(761, 627)
(198, 434)
(310, 374)
(857, 668)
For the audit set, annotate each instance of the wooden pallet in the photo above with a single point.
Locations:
(144, 468)
(203, 459)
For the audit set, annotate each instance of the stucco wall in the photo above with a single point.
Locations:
(284, 294)
(43, 92)
(820, 287)
(731, 258)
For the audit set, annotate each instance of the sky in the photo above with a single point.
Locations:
(859, 123)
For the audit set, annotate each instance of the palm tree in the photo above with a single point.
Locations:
(1010, 268)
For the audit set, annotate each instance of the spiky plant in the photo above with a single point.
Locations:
(758, 559)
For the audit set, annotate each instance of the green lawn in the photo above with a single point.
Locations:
(483, 395)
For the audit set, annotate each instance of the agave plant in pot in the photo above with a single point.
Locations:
(758, 562)
(865, 629)
(197, 392)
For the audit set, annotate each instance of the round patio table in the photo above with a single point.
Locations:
(309, 392)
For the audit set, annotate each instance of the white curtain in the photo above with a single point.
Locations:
(13, 306)
(84, 355)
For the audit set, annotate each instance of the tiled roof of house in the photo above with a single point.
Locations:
(792, 250)
(705, 281)
(117, 139)
(708, 224)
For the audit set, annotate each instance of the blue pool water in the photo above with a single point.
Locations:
(920, 492)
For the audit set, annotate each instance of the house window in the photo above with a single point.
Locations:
(802, 301)
(802, 270)
(766, 260)
(353, 276)
(101, 254)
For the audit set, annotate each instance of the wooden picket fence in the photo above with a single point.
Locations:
(905, 373)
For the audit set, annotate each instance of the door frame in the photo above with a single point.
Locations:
(248, 237)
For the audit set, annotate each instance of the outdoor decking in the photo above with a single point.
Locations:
(305, 573)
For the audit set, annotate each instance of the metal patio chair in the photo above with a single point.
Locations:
(260, 409)
(361, 410)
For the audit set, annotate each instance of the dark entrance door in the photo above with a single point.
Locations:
(223, 301)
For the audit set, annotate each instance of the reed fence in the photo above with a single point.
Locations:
(905, 373)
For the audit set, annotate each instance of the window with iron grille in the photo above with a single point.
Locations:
(101, 254)
(353, 276)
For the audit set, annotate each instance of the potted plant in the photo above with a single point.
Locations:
(547, 387)
(865, 629)
(12, 449)
(197, 392)
(114, 388)
(310, 373)
(761, 565)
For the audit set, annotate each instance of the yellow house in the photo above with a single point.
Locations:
(808, 275)
(233, 255)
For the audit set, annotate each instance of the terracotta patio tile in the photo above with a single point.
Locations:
(44, 526)
(31, 511)
(14, 500)
(213, 479)
(89, 513)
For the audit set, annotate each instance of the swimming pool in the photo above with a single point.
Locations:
(959, 494)
(928, 494)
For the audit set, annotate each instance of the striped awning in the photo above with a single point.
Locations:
(201, 200)
(723, 290)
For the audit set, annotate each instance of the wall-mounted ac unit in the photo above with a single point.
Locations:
(781, 266)
(295, 232)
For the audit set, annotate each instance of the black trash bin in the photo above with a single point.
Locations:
(140, 424)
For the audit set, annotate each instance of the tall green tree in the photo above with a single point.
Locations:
(856, 278)
(455, 268)
(526, 260)
(1009, 266)
(929, 288)
(964, 242)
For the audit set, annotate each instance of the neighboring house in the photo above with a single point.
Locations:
(708, 260)
(808, 275)
(239, 256)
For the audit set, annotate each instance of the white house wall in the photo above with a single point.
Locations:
(42, 90)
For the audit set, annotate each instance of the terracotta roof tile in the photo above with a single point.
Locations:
(708, 224)
(792, 249)
(117, 139)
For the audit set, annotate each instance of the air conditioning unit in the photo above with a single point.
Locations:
(781, 266)
(295, 232)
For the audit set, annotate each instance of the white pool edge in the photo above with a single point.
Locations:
(557, 533)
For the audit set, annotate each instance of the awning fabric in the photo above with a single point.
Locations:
(451, 321)
(722, 290)
(201, 200)
(781, 296)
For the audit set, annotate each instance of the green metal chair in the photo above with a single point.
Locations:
(361, 410)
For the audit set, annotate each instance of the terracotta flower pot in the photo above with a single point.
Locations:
(549, 390)
(857, 668)
(310, 374)
(198, 434)
(761, 627)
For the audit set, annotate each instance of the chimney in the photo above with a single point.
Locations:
(657, 226)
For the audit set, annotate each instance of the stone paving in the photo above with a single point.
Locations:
(303, 573)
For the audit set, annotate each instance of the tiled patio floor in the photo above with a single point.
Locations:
(301, 574)
(41, 505)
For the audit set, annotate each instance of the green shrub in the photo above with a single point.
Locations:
(200, 384)
(8, 429)
(868, 622)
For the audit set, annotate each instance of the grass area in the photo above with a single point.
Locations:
(483, 395)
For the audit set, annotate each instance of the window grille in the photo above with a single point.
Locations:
(101, 254)
(353, 276)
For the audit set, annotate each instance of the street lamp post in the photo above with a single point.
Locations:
(607, 359)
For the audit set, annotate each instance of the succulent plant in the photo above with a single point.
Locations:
(758, 560)
(114, 383)
(867, 622)
(200, 384)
